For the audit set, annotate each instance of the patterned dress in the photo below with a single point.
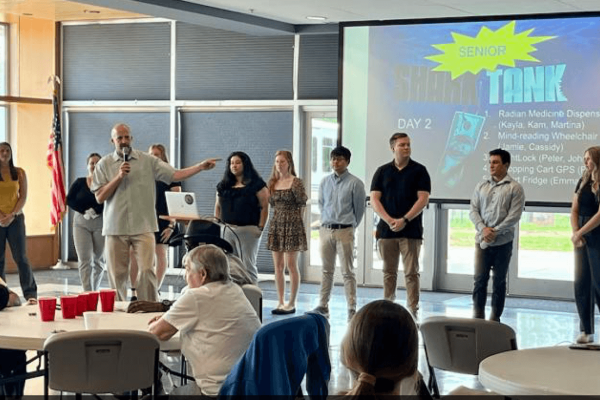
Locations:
(286, 228)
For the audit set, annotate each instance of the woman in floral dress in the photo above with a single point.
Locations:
(287, 235)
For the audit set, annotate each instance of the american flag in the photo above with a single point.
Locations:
(55, 163)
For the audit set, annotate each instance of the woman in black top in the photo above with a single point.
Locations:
(87, 228)
(243, 203)
(585, 221)
(165, 228)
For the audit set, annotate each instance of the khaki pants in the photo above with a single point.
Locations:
(390, 250)
(117, 261)
(340, 242)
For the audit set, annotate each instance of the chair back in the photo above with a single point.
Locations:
(281, 355)
(254, 296)
(460, 344)
(101, 361)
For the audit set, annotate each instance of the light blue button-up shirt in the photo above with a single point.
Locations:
(342, 199)
(497, 205)
(131, 209)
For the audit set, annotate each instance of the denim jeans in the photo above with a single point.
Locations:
(15, 234)
(497, 259)
(587, 278)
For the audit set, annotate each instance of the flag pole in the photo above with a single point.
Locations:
(56, 164)
(60, 265)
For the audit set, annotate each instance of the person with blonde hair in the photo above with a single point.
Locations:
(381, 349)
(585, 222)
(287, 235)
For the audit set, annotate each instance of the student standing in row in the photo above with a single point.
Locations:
(342, 206)
(585, 221)
(399, 193)
(496, 207)
(287, 235)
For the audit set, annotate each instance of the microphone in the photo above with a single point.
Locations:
(126, 151)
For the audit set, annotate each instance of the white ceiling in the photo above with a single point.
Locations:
(277, 17)
(295, 11)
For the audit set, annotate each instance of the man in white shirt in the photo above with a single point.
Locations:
(215, 320)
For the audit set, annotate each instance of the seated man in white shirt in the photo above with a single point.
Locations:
(215, 320)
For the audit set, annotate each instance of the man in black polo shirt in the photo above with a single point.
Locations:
(399, 192)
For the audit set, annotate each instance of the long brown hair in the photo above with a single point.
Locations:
(274, 174)
(14, 173)
(161, 148)
(594, 175)
(382, 343)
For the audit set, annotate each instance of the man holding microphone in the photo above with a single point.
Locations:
(125, 180)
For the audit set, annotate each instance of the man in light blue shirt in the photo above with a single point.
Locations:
(342, 206)
(496, 208)
(125, 180)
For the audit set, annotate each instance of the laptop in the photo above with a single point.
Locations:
(182, 205)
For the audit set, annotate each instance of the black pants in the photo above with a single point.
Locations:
(587, 278)
(496, 258)
(13, 363)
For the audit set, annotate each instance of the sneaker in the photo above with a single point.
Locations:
(324, 311)
(351, 313)
(585, 338)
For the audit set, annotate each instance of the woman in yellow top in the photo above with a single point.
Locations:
(13, 194)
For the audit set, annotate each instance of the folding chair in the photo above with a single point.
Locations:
(101, 361)
(460, 344)
(254, 295)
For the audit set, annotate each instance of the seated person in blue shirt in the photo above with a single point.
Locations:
(215, 321)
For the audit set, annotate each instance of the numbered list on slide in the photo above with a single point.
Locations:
(539, 142)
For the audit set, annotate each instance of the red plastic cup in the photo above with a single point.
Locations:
(68, 305)
(82, 303)
(92, 303)
(107, 299)
(47, 308)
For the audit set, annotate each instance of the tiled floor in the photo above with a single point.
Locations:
(536, 322)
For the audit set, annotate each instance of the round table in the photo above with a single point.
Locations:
(554, 370)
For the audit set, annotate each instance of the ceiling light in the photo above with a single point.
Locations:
(316, 18)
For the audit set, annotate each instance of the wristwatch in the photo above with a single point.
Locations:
(406, 220)
(166, 304)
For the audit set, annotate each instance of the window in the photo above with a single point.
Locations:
(3, 59)
(313, 160)
(3, 80)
